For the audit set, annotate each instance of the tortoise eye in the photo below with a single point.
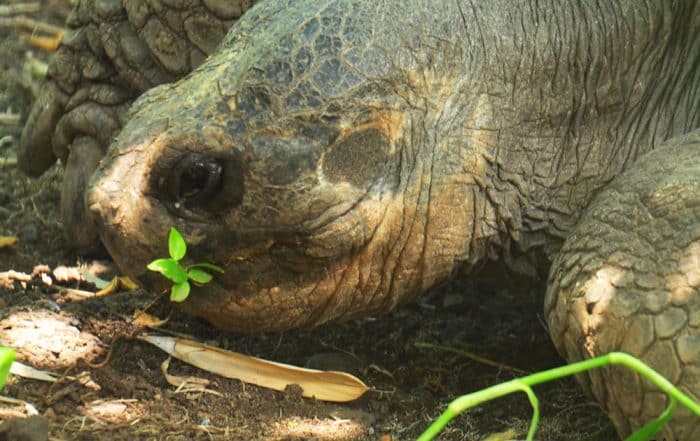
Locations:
(202, 185)
(195, 180)
(360, 158)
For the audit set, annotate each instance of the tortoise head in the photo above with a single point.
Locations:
(295, 159)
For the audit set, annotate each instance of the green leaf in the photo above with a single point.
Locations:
(176, 244)
(169, 268)
(7, 356)
(180, 291)
(199, 275)
(209, 266)
(647, 432)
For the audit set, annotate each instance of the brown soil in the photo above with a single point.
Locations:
(54, 326)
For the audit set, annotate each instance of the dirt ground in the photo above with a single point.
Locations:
(55, 324)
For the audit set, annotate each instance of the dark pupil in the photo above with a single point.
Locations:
(196, 179)
(193, 180)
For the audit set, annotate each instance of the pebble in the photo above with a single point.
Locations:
(33, 428)
(29, 233)
(335, 361)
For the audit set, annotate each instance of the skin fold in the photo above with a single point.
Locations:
(338, 158)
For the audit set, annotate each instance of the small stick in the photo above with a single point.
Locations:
(470, 355)
(48, 44)
(6, 140)
(19, 8)
(9, 119)
(31, 25)
(8, 161)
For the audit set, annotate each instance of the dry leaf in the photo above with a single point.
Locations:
(178, 381)
(322, 385)
(24, 371)
(127, 284)
(75, 295)
(186, 384)
(507, 435)
(48, 44)
(147, 320)
(117, 284)
(111, 288)
(7, 241)
(97, 281)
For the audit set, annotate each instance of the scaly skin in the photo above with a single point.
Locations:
(628, 278)
(340, 157)
(116, 50)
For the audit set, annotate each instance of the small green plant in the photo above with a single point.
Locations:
(7, 356)
(171, 269)
(525, 384)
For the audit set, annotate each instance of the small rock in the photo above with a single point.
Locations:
(67, 274)
(50, 414)
(29, 233)
(34, 428)
(451, 300)
(46, 279)
(5, 197)
(40, 269)
(293, 393)
(335, 361)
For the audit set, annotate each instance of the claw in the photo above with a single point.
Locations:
(82, 162)
(35, 151)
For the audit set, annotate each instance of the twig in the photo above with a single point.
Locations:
(19, 8)
(8, 161)
(28, 407)
(7, 140)
(31, 25)
(9, 119)
(48, 44)
(470, 355)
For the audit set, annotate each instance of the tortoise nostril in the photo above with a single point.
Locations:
(196, 179)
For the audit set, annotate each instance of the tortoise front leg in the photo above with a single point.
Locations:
(628, 279)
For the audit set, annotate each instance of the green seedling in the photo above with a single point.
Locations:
(525, 384)
(7, 356)
(181, 276)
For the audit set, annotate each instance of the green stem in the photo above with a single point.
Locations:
(519, 384)
(437, 425)
(535, 403)
(7, 356)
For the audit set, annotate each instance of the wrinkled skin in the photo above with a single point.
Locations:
(340, 157)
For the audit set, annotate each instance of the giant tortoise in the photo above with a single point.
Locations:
(340, 157)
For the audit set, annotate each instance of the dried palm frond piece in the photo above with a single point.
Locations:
(26, 371)
(321, 385)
